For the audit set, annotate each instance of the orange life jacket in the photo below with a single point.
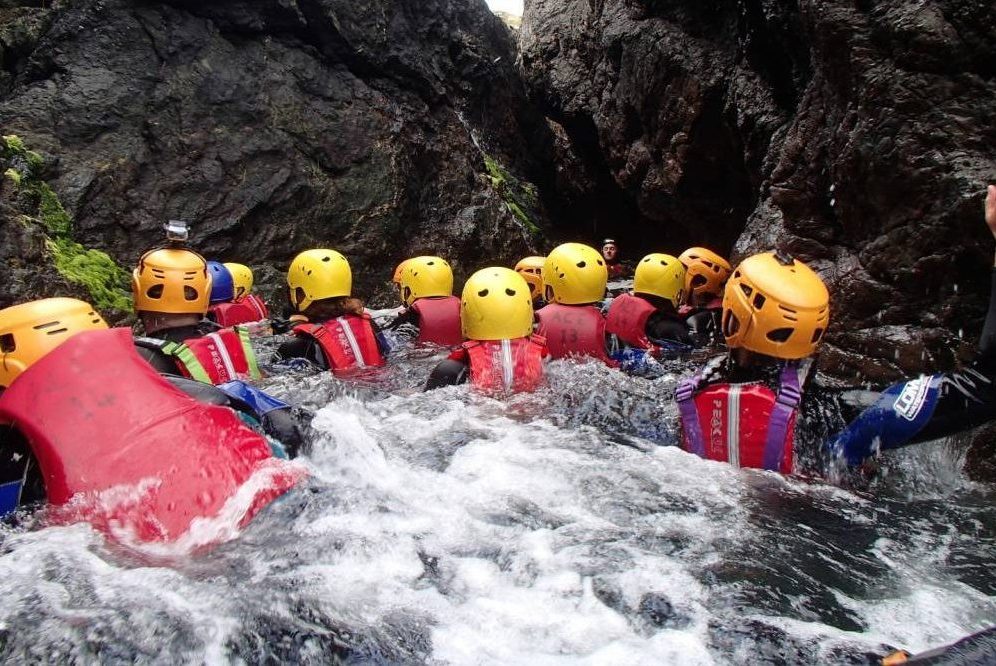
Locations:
(439, 320)
(573, 330)
(128, 448)
(348, 342)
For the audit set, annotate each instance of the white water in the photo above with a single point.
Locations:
(449, 528)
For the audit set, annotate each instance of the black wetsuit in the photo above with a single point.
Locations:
(967, 398)
(163, 363)
(704, 325)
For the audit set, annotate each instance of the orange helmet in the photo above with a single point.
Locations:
(171, 280)
(775, 305)
(531, 270)
(705, 273)
(30, 330)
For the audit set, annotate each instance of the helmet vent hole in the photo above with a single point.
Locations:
(189, 293)
(325, 258)
(600, 263)
(429, 263)
(699, 280)
(759, 300)
(482, 293)
(582, 264)
(663, 262)
(730, 324)
(48, 324)
(7, 344)
(780, 334)
(57, 331)
(817, 334)
(155, 291)
(510, 292)
(746, 289)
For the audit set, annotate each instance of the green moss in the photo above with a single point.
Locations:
(108, 283)
(53, 216)
(517, 195)
(103, 278)
(12, 145)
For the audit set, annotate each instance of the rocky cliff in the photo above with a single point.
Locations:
(380, 128)
(857, 135)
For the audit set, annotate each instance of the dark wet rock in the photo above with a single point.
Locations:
(658, 611)
(276, 126)
(856, 135)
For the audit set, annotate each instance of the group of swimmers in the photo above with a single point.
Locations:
(74, 394)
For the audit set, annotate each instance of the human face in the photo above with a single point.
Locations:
(609, 251)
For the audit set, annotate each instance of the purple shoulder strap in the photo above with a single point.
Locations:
(685, 396)
(786, 402)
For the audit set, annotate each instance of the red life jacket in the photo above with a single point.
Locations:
(627, 320)
(573, 330)
(136, 455)
(246, 311)
(505, 366)
(348, 342)
(746, 425)
(439, 320)
(215, 358)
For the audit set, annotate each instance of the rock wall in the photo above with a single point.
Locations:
(857, 135)
(374, 127)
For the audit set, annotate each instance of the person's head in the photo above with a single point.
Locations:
(662, 276)
(610, 250)
(425, 277)
(30, 330)
(222, 283)
(531, 270)
(705, 274)
(171, 287)
(574, 274)
(316, 275)
(776, 306)
(242, 277)
(496, 305)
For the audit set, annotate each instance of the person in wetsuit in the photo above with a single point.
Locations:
(706, 274)
(614, 266)
(338, 334)
(775, 312)
(501, 355)
(648, 317)
(432, 312)
(171, 289)
(574, 278)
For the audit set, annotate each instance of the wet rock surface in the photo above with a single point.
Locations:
(275, 126)
(858, 136)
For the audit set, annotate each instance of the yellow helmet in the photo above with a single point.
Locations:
(660, 275)
(30, 330)
(425, 276)
(705, 272)
(496, 305)
(318, 274)
(171, 280)
(775, 305)
(531, 270)
(242, 276)
(574, 274)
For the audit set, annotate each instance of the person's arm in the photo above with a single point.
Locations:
(929, 407)
(408, 316)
